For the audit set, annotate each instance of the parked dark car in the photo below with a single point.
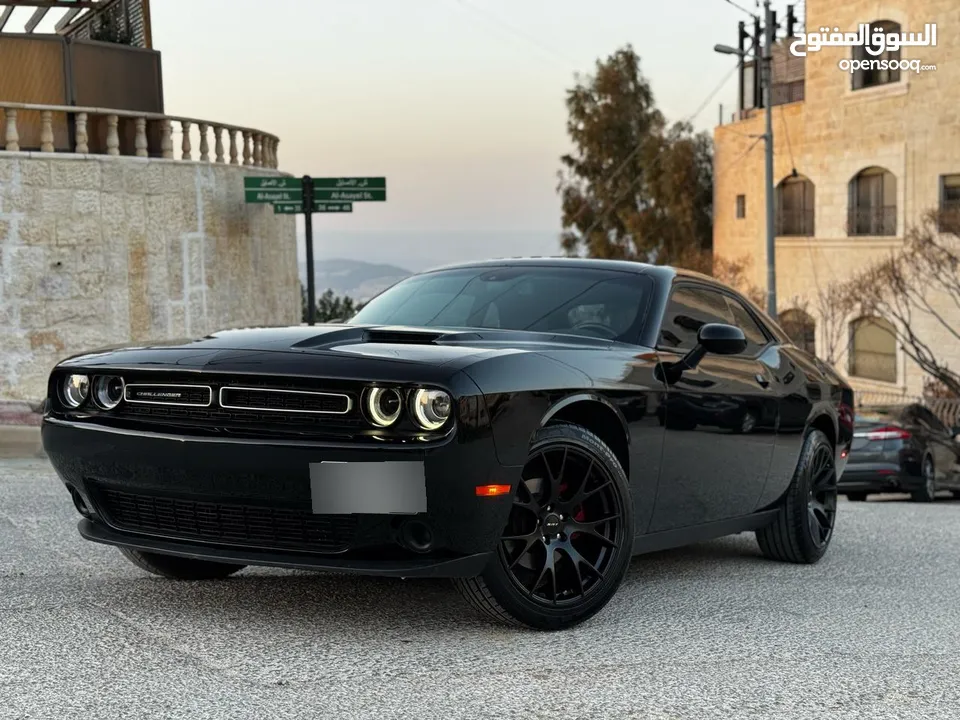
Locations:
(522, 426)
(903, 448)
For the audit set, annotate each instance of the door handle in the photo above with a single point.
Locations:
(762, 381)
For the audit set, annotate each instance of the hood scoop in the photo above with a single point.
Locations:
(347, 335)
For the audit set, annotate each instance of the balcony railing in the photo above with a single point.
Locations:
(787, 92)
(100, 131)
(795, 222)
(877, 221)
(949, 220)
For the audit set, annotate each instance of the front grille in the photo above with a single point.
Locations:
(167, 394)
(294, 401)
(226, 524)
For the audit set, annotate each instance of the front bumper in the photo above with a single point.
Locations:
(249, 502)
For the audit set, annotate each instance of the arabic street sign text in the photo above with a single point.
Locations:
(370, 183)
(326, 195)
(319, 207)
(272, 183)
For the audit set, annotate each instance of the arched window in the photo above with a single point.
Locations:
(795, 206)
(801, 328)
(873, 203)
(873, 349)
(874, 65)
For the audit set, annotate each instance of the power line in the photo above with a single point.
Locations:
(516, 32)
(740, 7)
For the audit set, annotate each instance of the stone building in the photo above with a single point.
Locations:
(873, 151)
(108, 236)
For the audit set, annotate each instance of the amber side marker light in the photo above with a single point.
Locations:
(492, 490)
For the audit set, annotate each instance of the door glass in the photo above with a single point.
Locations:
(756, 339)
(690, 309)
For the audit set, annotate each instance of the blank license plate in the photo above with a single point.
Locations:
(377, 488)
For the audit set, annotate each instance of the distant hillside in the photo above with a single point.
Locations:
(355, 278)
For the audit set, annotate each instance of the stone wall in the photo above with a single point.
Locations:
(98, 251)
(911, 128)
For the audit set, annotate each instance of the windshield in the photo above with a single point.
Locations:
(571, 301)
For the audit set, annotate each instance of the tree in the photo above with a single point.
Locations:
(633, 188)
(330, 307)
(921, 280)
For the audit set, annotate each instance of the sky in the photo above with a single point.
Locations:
(459, 103)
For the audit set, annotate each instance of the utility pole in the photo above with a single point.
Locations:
(768, 139)
(763, 81)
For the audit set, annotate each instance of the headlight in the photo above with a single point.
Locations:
(431, 408)
(108, 391)
(384, 406)
(76, 389)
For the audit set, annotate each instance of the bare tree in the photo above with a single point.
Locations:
(919, 281)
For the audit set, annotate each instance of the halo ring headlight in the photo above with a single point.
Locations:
(76, 390)
(431, 408)
(383, 406)
(108, 391)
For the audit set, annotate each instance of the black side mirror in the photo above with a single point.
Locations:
(713, 338)
(719, 339)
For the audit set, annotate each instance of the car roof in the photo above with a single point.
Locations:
(661, 272)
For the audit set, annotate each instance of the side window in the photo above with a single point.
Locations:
(756, 339)
(689, 309)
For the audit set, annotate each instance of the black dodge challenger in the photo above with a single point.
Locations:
(522, 426)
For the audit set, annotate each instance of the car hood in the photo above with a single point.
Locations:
(384, 352)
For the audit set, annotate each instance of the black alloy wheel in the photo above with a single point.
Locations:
(804, 526)
(928, 491)
(822, 497)
(568, 540)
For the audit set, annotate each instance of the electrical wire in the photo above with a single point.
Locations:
(740, 7)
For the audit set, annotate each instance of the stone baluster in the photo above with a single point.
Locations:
(258, 149)
(140, 142)
(185, 147)
(12, 136)
(246, 148)
(273, 153)
(233, 147)
(83, 146)
(204, 145)
(46, 131)
(166, 140)
(271, 158)
(113, 135)
(218, 143)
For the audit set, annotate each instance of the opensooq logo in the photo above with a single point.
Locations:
(876, 44)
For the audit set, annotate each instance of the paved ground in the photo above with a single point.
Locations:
(713, 631)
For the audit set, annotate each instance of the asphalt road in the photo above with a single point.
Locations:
(712, 631)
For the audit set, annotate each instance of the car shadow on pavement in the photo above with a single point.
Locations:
(305, 602)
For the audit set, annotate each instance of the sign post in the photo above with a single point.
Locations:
(308, 220)
(308, 195)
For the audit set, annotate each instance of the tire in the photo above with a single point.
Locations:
(179, 568)
(928, 491)
(804, 527)
(856, 496)
(513, 588)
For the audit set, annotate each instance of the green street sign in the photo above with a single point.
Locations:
(357, 183)
(326, 195)
(272, 183)
(318, 207)
(273, 196)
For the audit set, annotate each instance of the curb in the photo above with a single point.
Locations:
(20, 442)
(20, 413)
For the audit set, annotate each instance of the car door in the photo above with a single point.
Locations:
(720, 419)
(939, 443)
